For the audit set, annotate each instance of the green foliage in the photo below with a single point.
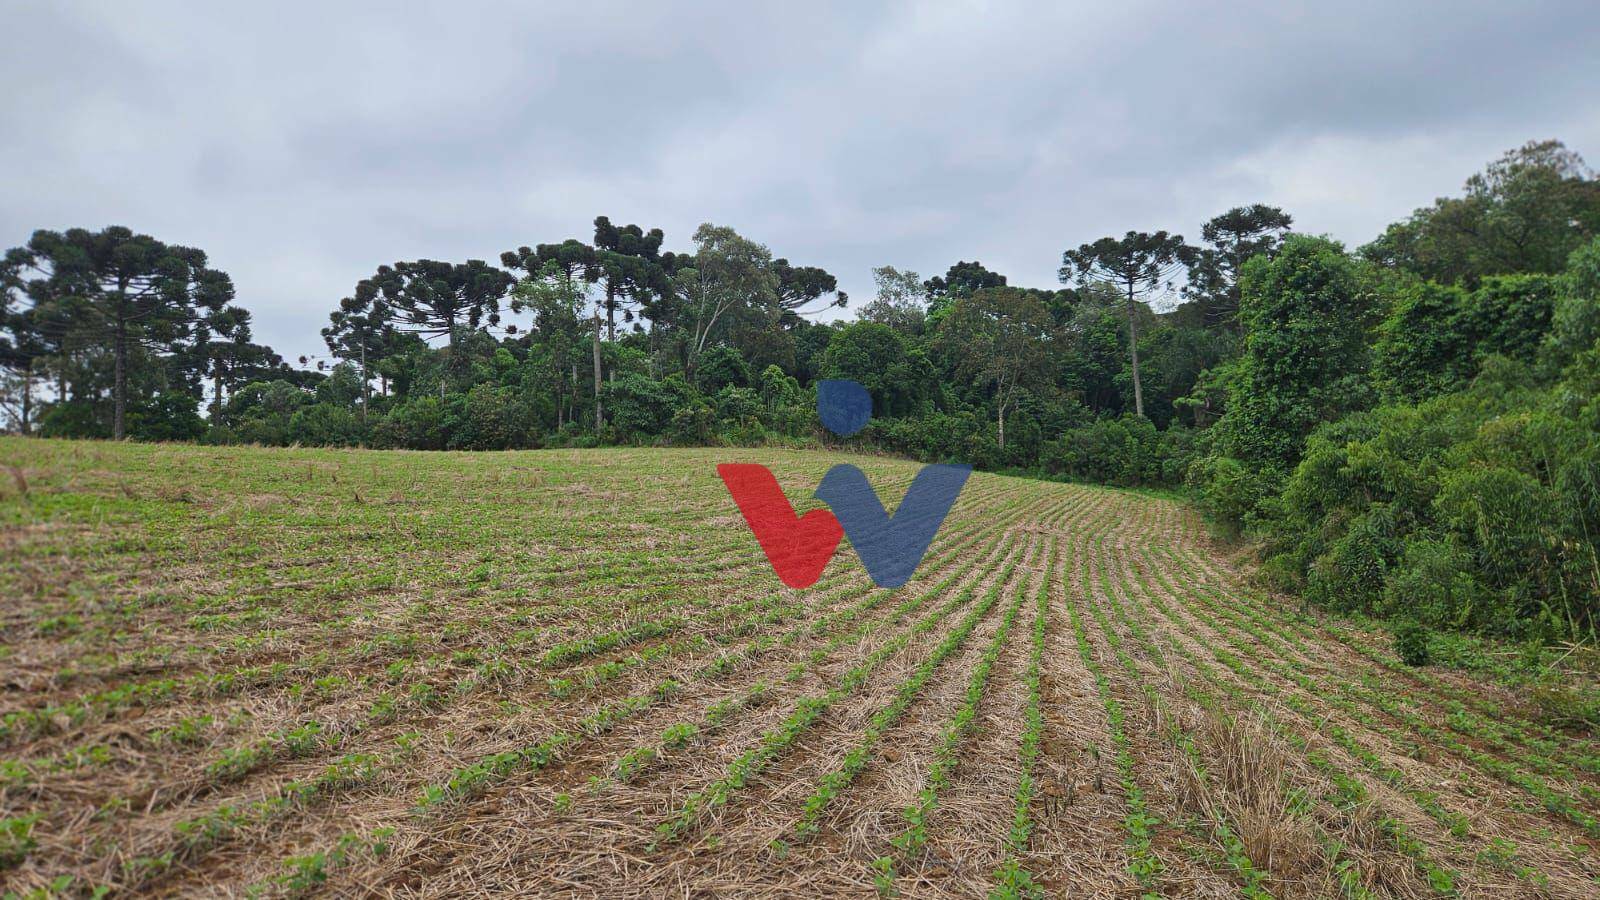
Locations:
(16, 838)
(1425, 346)
(418, 423)
(325, 425)
(719, 367)
(1230, 491)
(877, 357)
(997, 340)
(1129, 451)
(1411, 644)
(1305, 355)
(1473, 510)
(74, 420)
(1524, 213)
(1410, 431)
(640, 407)
(1436, 337)
(1575, 322)
(1509, 315)
(489, 417)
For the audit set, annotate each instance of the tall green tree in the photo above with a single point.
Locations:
(22, 343)
(361, 332)
(1305, 314)
(1138, 263)
(1234, 237)
(731, 282)
(124, 290)
(631, 269)
(999, 339)
(574, 260)
(801, 286)
(960, 280)
(1526, 212)
(431, 298)
(897, 376)
(900, 301)
(558, 339)
(224, 354)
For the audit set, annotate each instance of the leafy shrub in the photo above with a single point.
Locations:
(719, 367)
(418, 424)
(325, 425)
(1305, 311)
(1575, 319)
(1435, 581)
(260, 411)
(1351, 574)
(935, 437)
(1411, 643)
(1510, 315)
(897, 377)
(1113, 451)
(1232, 493)
(640, 407)
(1425, 346)
(75, 419)
(739, 414)
(489, 418)
(1475, 510)
(691, 424)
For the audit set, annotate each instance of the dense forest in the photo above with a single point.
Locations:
(1408, 428)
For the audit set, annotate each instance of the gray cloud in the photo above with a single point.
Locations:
(303, 145)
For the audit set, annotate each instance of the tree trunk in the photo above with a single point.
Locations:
(216, 396)
(450, 358)
(1001, 421)
(611, 311)
(599, 417)
(1133, 352)
(366, 382)
(119, 382)
(27, 396)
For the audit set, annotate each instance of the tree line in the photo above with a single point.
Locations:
(1418, 411)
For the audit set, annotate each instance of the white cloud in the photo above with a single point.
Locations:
(303, 144)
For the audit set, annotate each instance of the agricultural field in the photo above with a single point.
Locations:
(277, 672)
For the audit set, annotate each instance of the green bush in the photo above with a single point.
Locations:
(325, 425)
(1128, 451)
(1231, 493)
(1350, 575)
(418, 424)
(1436, 582)
(691, 424)
(1411, 643)
(1575, 320)
(76, 419)
(935, 437)
(639, 407)
(1475, 510)
(489, 418)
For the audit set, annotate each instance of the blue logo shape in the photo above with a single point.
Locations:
(892, 547)
(843, 406)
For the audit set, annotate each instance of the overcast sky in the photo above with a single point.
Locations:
(303, 144)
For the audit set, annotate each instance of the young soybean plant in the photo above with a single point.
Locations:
(1015, 881)
(915, 835)
(805, 714)
(856, 760)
